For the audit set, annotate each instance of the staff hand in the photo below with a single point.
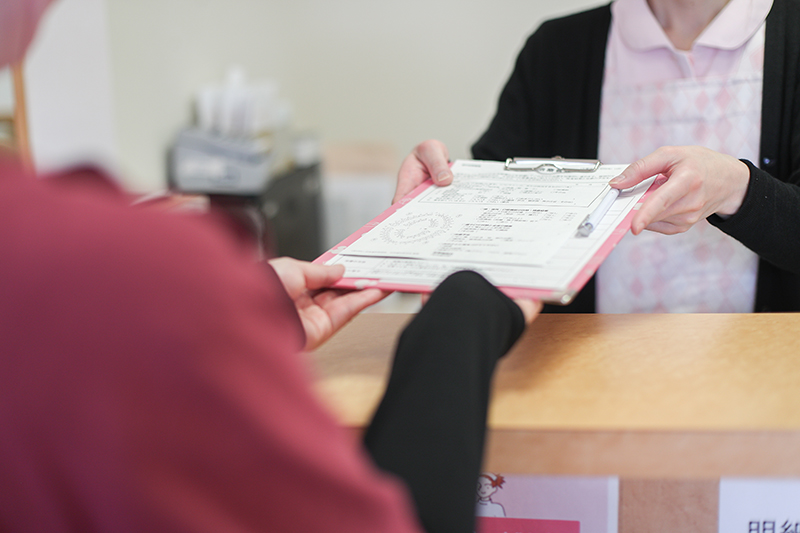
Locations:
(429, 159)
(697, 182)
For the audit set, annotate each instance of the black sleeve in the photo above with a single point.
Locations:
(509, 134)
(429, 428)
(550, 105)
(768, 222)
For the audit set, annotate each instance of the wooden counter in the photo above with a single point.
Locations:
(666, 402)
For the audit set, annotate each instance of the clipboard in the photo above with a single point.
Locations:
(552, 165)
(556, 278)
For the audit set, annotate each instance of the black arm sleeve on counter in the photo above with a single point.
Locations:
(430, 426)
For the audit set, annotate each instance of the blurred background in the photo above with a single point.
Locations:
(344, 88)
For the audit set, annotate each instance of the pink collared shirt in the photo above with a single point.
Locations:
(639, 52)
(655, 95)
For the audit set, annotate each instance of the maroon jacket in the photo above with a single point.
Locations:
(150, 379)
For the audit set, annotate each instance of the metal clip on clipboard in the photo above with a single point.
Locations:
(552, 166)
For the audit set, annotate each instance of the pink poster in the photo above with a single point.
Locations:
(507, 503)
(526, 525)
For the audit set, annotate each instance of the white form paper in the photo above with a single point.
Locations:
(489, 215)
(518, 229)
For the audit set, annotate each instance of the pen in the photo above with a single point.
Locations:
(593, 219)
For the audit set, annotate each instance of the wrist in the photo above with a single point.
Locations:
(738, 179)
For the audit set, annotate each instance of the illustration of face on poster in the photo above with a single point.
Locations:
(488, 484)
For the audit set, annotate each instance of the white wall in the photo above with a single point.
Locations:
(68, 87)
(6, 92)
(354, 70)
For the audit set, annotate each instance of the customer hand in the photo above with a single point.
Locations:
(530, 309)
(698, 182)
(429, 159)
(322, 310)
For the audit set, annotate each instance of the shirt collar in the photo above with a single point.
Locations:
(730, 29)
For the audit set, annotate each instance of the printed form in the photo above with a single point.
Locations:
(517, 228)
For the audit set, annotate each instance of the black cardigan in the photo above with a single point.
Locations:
(551, 106)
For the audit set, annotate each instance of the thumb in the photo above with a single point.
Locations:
(320, 276)
(659, 162)
(299, 276)
(434, 156)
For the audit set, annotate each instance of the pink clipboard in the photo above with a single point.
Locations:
(562, 296)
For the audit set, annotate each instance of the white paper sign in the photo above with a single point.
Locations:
(759, 505)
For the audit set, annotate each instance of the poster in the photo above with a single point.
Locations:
(546, 504)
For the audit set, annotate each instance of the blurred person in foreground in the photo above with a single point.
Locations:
(151, 376)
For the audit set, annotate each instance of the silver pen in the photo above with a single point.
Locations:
(591, 221)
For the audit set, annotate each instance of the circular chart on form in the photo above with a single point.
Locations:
(416, 229)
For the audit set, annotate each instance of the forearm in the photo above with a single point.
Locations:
(429, 429)
(768, 222)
